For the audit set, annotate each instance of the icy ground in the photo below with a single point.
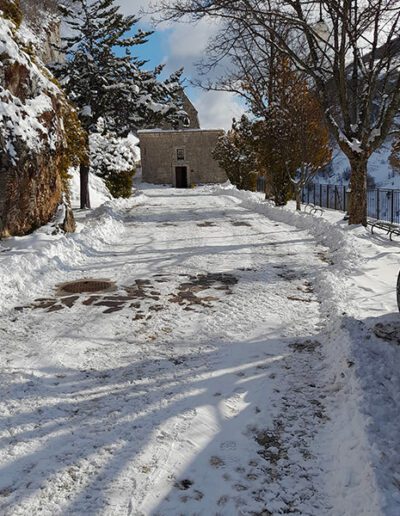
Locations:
(233, 370)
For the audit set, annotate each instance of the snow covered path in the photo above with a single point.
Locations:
(196, 387)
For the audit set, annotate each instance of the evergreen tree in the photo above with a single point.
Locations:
(235, 154)
(104, 79)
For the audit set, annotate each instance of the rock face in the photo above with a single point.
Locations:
(49, 53)
(34, 147)
(41, 19)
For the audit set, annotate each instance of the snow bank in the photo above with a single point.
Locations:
(26, 262)
(99, 193)
(338, 237)
(356, 290)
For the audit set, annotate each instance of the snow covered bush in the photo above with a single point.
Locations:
(114, 160)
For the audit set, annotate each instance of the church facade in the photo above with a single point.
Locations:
(181, 157)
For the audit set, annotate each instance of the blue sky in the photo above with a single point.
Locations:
(155, 53)
(182, 45)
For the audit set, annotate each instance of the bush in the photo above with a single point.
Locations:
(235, 154)
(114, 160)
(120, 185)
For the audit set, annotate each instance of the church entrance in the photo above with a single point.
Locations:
(181, 177)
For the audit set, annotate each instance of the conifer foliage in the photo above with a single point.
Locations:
(236, 155)
(105, 80)
(114, 160)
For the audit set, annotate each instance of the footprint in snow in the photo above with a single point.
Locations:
(184, 484)
(228, 445)
(216, 462)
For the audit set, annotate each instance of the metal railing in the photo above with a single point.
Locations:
(382, 203)
(261, 184)
(326, 196)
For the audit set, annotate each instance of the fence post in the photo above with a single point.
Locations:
(335, 197)
(327, 196)
(314, 193)
(344, 198)
(392, 208)
(320, 195)
(308, 194)
(377, 203)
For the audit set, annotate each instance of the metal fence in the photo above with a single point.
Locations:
(261, 184)
(382, 204)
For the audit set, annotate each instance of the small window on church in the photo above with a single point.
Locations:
(180, 154)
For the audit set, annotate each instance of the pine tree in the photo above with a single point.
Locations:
(104, 79)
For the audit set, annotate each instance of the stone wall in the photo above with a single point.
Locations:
(159, 156)
(191, 112)
(192, 115)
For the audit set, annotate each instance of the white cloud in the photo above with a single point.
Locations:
(188, 40)
(185, 45)
(133, 6)
(217, 108)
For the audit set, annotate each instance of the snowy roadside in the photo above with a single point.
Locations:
(197, 378)
(26, 262)
(357, 292)
(184, 391)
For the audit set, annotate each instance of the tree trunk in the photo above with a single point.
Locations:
(298, 200)
(280, 200)
(358, 190)
(84, 179)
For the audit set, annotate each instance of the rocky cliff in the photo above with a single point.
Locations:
(42, 24)
(40, 134)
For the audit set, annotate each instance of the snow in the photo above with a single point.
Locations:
(98, 191)
(268, 392)
(358, 293)
(379, 168)
(21, 119)
(110, 154)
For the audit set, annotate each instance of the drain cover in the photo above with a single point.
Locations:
(86, 285)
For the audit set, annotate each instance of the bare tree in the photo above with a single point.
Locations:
(349, 49)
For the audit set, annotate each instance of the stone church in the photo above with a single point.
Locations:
(181, 157)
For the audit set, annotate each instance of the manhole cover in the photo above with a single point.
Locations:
(86, 285)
